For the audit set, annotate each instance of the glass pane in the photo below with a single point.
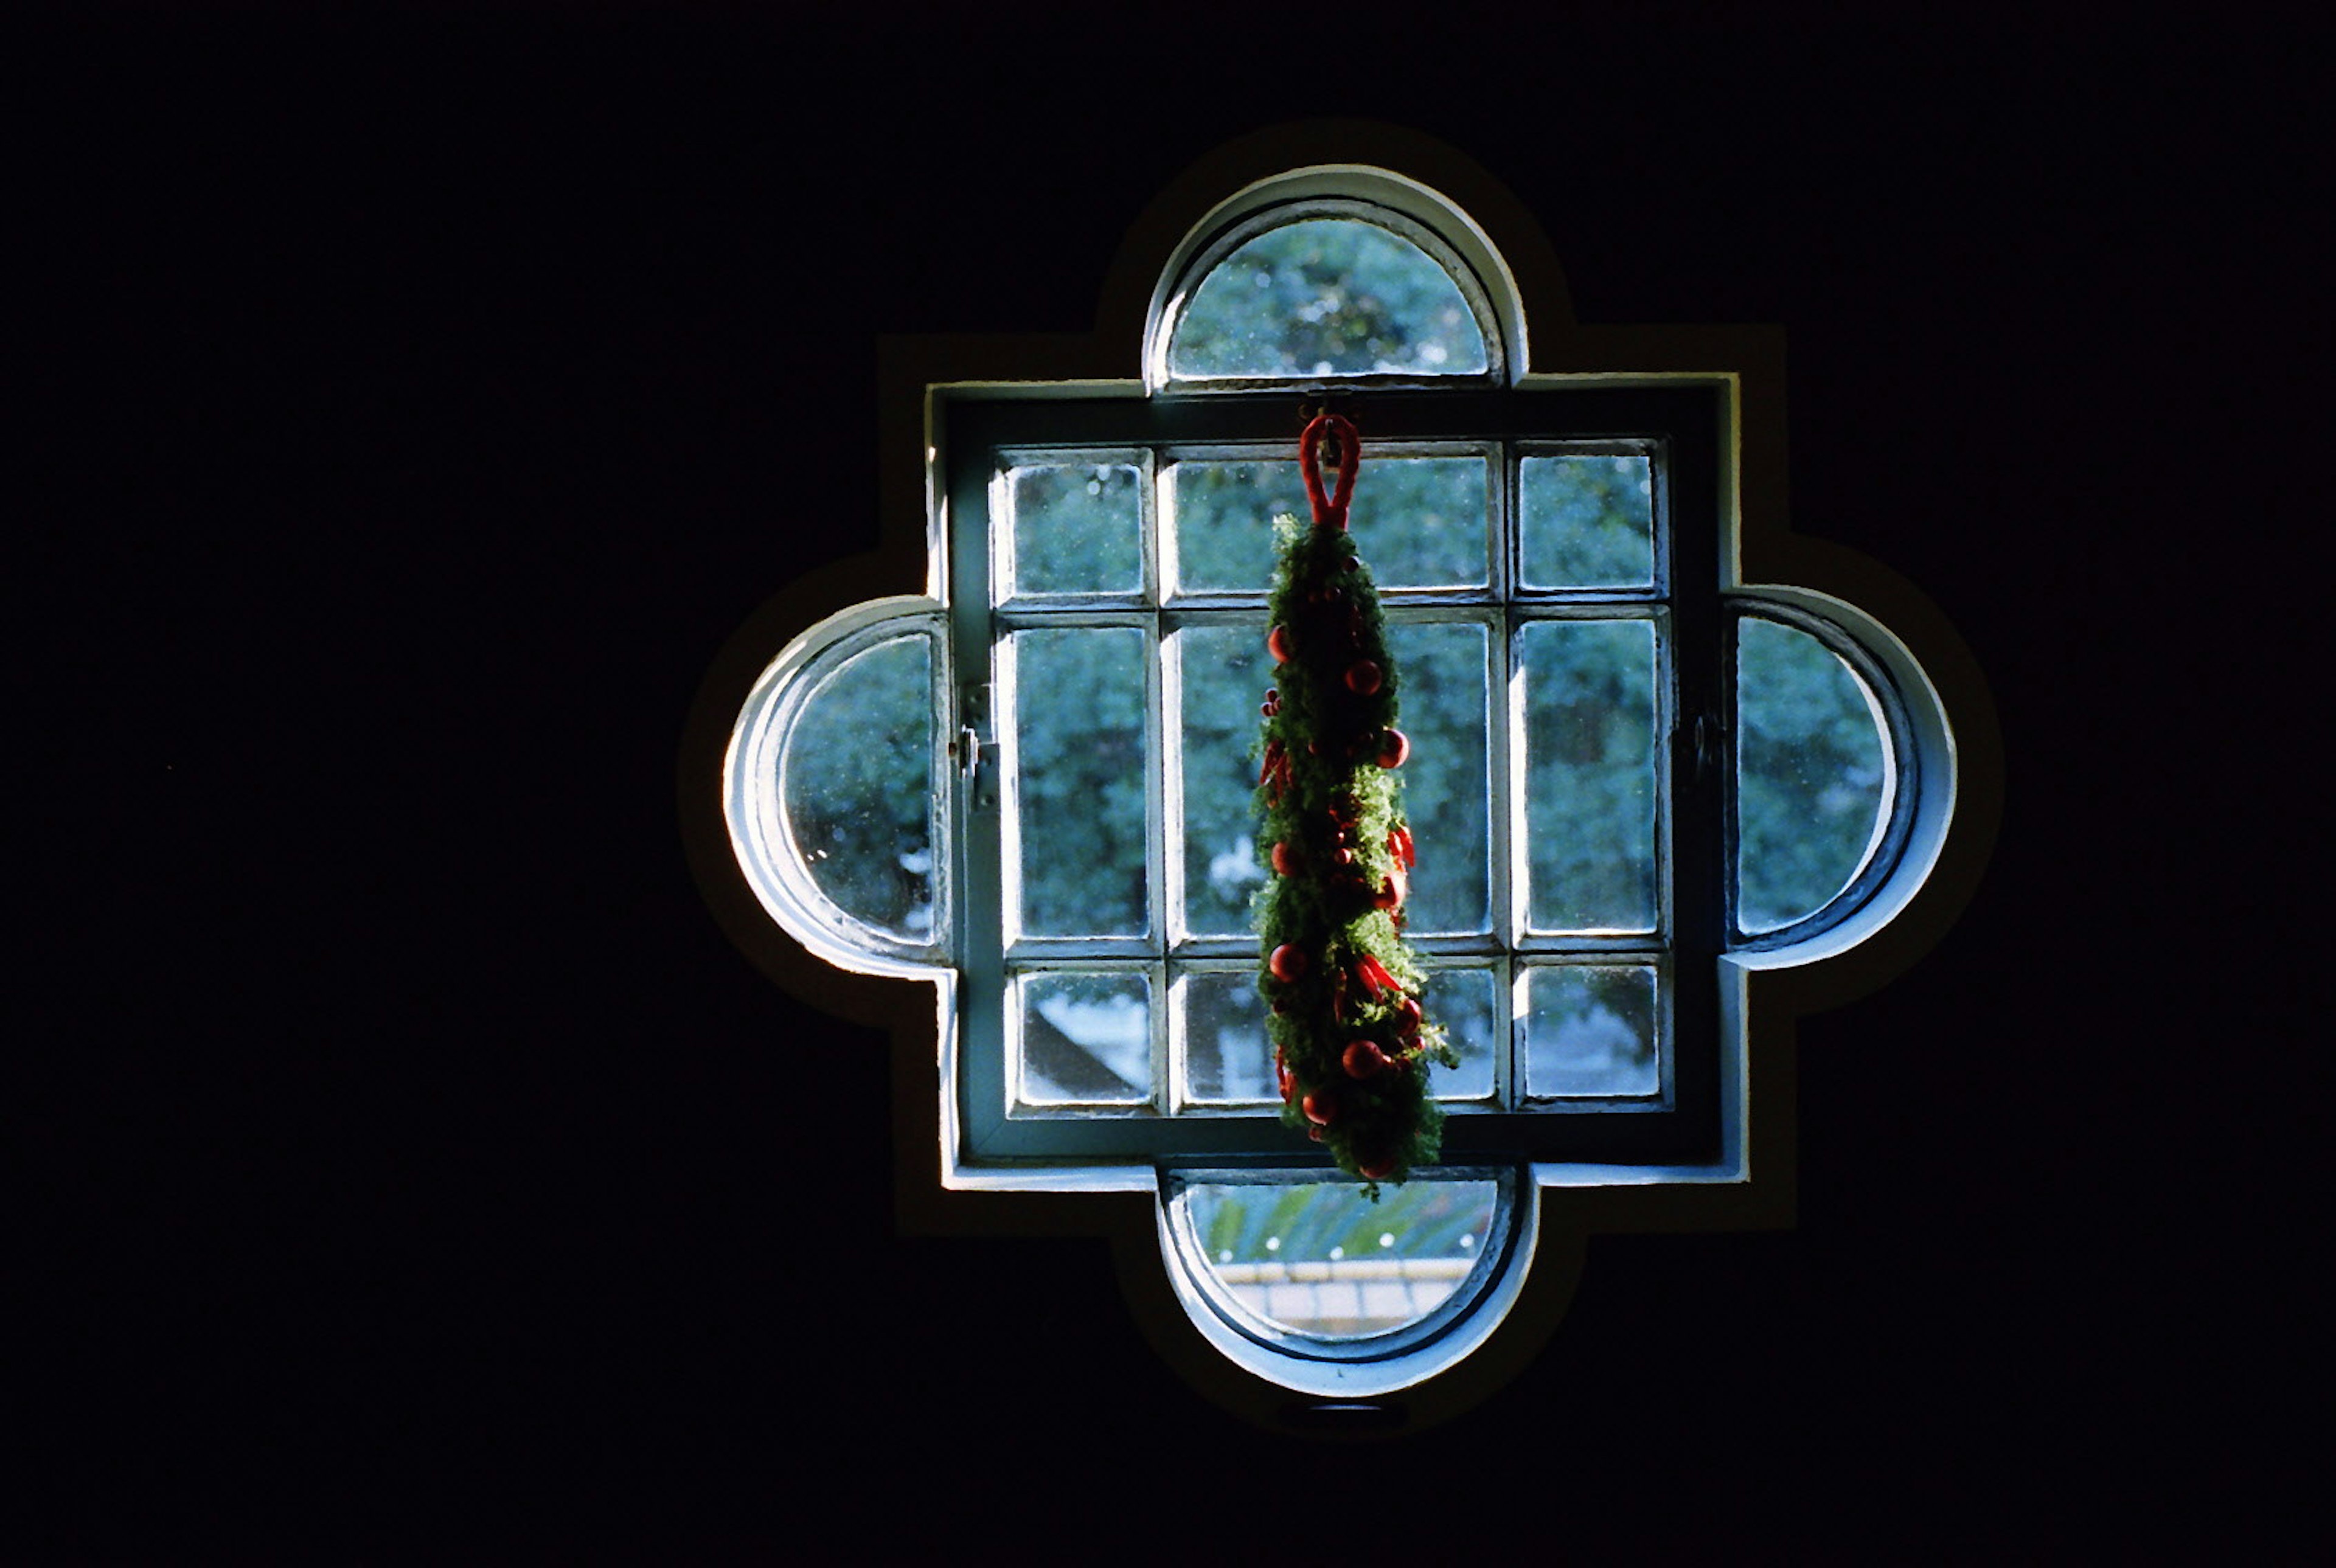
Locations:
(1086, 1038)
(1319, 1259)
(1325, 297)
(1080, 780)
(1586, 521)
(1442, 666)
(1078, 528)
(1419, 521)
(1227, 1056)
(1589, 773)
(1222, 515)
(1423, 522)
(858, 787)
(1466, 1002)
(1589, 1029)
(1225, 670)
(1813, 777)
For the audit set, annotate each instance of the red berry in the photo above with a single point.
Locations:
(1395, 749)
(1364, 1059)
(1363, 678)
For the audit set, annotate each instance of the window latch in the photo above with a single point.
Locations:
(966, 749)
(1705, 738)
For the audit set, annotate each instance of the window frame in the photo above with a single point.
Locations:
(978, 431)
(1950, 807)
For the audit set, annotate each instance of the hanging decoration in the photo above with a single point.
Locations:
(1342, 988)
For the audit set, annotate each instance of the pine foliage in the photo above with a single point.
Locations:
(1342, 988)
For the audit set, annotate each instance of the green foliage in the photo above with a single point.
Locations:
(1428, 524)
(1590, 780)
(858, 787)
(1809, 776)
(1326, 297)
(1077, 528)
(1081, 779)
(1586, 521)
(1337, 974)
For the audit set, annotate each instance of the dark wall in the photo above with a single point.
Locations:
(401, 1157)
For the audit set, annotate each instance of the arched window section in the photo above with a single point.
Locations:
(837, 812)
(1638, 779)
(1826, 774)
(1328, 290)
(1457, 300)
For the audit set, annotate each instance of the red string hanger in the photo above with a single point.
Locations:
(1337, 429)
(1352, 1045)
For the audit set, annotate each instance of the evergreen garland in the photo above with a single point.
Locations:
(1342, 988)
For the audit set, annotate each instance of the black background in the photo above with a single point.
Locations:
(402, 1159)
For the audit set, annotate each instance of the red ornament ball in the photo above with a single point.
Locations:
(1364, 677)
(1364, 1059)
(1285, 859)
(1288, 962)
(1320, 1108)
(1395, 749)
(1376, 1168)
(1277, 643)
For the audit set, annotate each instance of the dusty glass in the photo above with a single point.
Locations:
(858, 788)
(1813, 777)
(1078, 528)
(1085, 1038)
(1224, 673)
(1325, 297)
(1081, 780)
(1442, 671)
(1589, 1029)
(1227, 1058)
(1591, 799)
(1585, 521)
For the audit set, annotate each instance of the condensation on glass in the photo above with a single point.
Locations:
(1319, 1264)
(1326, 295)
(1814, 782)
(856, 787)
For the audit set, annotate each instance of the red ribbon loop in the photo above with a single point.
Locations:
(1330, 513)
